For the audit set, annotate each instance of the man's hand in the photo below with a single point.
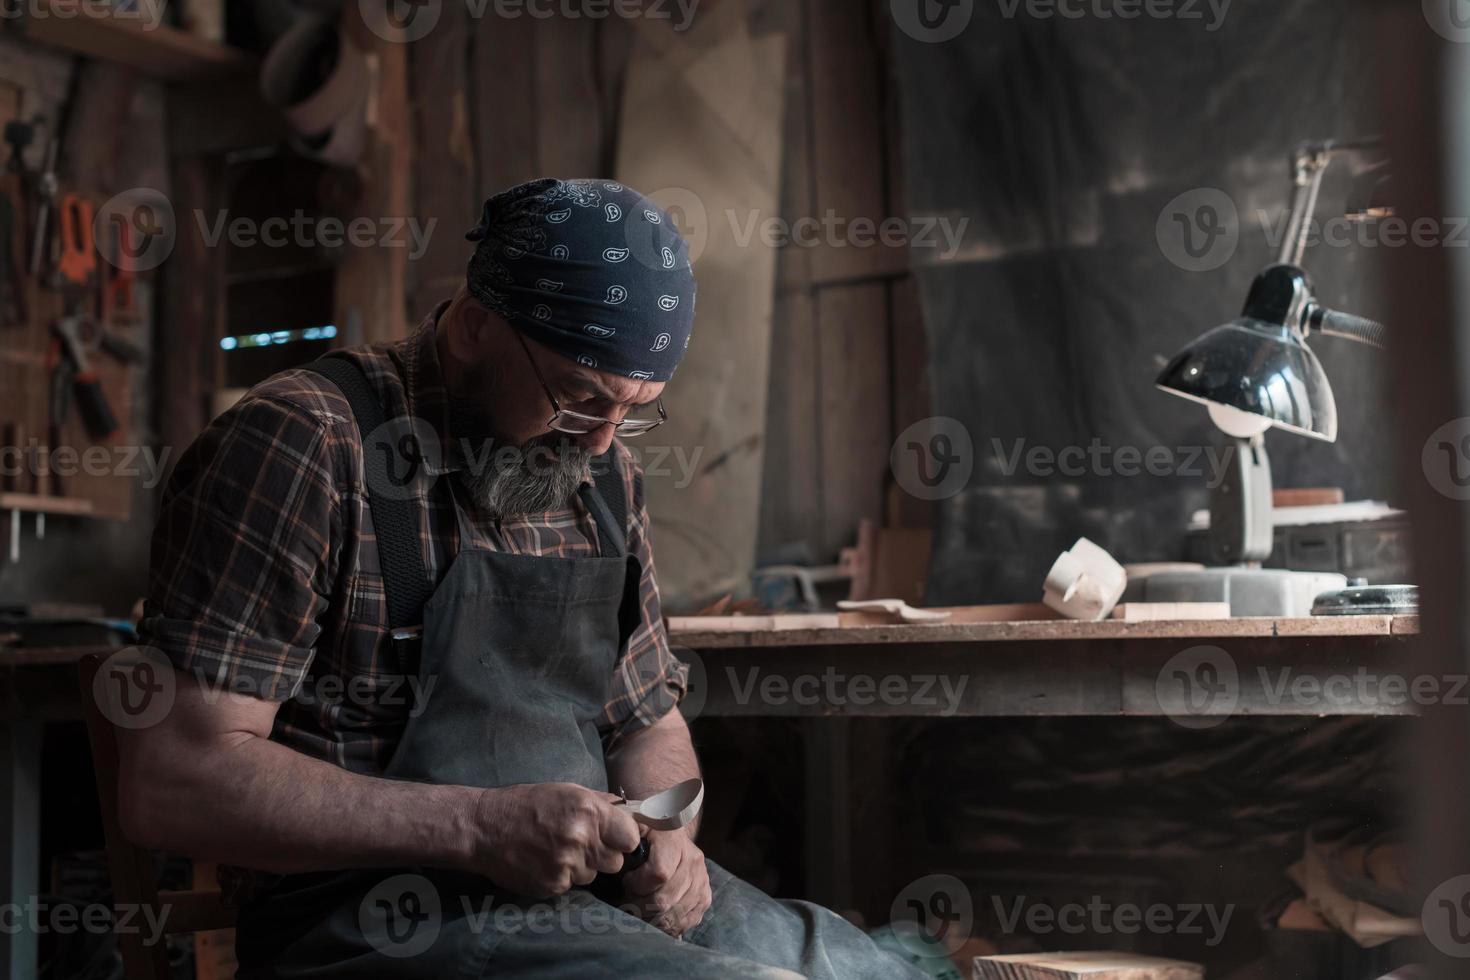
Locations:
(540, 839)
(671, 889)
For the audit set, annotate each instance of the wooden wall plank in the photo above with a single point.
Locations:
(791, 491)
(446, 185)
(848, 140)
(855, 406)
(187, 364)
(372, 283)
(791, 485)
(569, 138)
(504, 110)
(727, 160)
(908, 343)
(615, 42)
(913, 397)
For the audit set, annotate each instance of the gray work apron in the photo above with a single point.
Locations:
(517, 658)
(521, 652)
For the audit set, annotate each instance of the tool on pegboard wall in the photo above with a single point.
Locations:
(63, 297)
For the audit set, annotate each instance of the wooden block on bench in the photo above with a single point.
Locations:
(1084, 966)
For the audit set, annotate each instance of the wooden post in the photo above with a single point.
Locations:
(20, 829)
(187, 360)
(1423, 108)
(372, 282)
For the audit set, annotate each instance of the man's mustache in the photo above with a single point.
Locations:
(538, 455)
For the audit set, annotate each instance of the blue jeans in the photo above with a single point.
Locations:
(457, 932)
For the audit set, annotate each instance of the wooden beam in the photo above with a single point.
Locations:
(570, 142)
(505, 129)
(445, 181)
(372, 283)
(157, 50)
(791, 490)
(20, 835)
(848, 143)
(854, 408)
(187, 354)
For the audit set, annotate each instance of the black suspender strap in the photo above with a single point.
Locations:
(608, 503)
(396, 521)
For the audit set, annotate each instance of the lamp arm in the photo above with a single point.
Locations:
(1331, 323)
(1309, 161)
(1308, 165)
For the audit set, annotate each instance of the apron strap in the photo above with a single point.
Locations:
(406, 585)
(607, 500)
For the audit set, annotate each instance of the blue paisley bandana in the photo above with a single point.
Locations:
(590, 268)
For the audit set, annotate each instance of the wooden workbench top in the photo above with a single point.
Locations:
(714, 632)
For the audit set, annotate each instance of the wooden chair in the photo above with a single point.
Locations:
(131, 867)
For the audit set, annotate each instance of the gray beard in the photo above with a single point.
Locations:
(527, 481)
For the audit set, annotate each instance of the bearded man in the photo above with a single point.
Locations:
(409, 594)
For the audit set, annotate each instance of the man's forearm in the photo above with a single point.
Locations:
(654, 759)
(247, 800)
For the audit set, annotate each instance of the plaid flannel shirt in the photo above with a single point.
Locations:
(265, 578)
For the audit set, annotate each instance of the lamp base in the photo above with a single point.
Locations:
(1250, 591)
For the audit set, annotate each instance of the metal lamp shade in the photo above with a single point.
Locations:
(1259, 368)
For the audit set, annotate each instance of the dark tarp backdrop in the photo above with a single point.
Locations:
(1063, 140)
(1069, 145)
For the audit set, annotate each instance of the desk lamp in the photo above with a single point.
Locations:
(1256, 372)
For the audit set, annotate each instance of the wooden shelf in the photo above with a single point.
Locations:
(160, 52)
(39, 504)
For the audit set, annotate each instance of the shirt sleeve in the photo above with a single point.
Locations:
(650, 680)
(240, 558)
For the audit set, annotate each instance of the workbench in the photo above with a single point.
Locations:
(826, 674)
(1045, 667)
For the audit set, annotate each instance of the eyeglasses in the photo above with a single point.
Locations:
(577, 424)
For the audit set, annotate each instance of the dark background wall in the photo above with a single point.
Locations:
(1063, 141)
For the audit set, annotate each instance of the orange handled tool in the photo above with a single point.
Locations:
(77, 263)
